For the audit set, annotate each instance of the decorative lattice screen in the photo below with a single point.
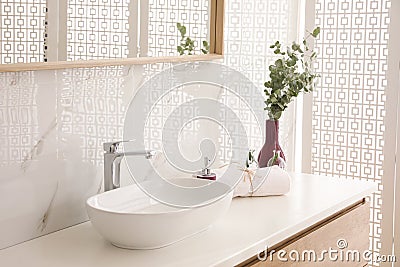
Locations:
(97, 29)
(22, 29)
(163, 36)
(348, 106)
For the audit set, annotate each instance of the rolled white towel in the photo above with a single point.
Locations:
(269, 181)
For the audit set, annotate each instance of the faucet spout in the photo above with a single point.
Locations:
(112, 162)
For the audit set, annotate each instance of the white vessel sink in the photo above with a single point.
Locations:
(128, 218)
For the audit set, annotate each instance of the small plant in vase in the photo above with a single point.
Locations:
(291, 74)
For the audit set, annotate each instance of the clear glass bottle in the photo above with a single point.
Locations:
(276, 159)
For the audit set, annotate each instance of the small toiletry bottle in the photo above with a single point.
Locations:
(206, 173)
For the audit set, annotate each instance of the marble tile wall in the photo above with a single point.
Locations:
(52, 126)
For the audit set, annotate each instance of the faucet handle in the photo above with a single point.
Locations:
(112, 147)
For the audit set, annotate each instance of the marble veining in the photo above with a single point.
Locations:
(37, 147)
(52, 126)
(44, 220)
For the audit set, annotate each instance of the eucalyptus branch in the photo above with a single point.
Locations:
(290, 75)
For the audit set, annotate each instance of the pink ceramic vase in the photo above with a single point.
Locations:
(271, 143)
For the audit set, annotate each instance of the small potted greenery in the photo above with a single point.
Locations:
(291, 74)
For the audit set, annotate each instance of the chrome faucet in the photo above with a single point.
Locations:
(112, 162)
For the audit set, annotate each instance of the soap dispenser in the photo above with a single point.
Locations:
(206, 173)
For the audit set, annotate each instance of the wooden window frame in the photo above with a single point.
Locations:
(216, 51)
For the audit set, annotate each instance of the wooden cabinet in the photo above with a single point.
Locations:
(346, 232)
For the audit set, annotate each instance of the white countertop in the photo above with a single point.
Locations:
(250, 225)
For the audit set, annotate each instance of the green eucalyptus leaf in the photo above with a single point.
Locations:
(316, 32)
(291, 63)
(279, 63)
(295, 46)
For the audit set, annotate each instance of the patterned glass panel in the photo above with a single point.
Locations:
(348, 107)
(97, 29)
(163, 36)
(22, 31)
